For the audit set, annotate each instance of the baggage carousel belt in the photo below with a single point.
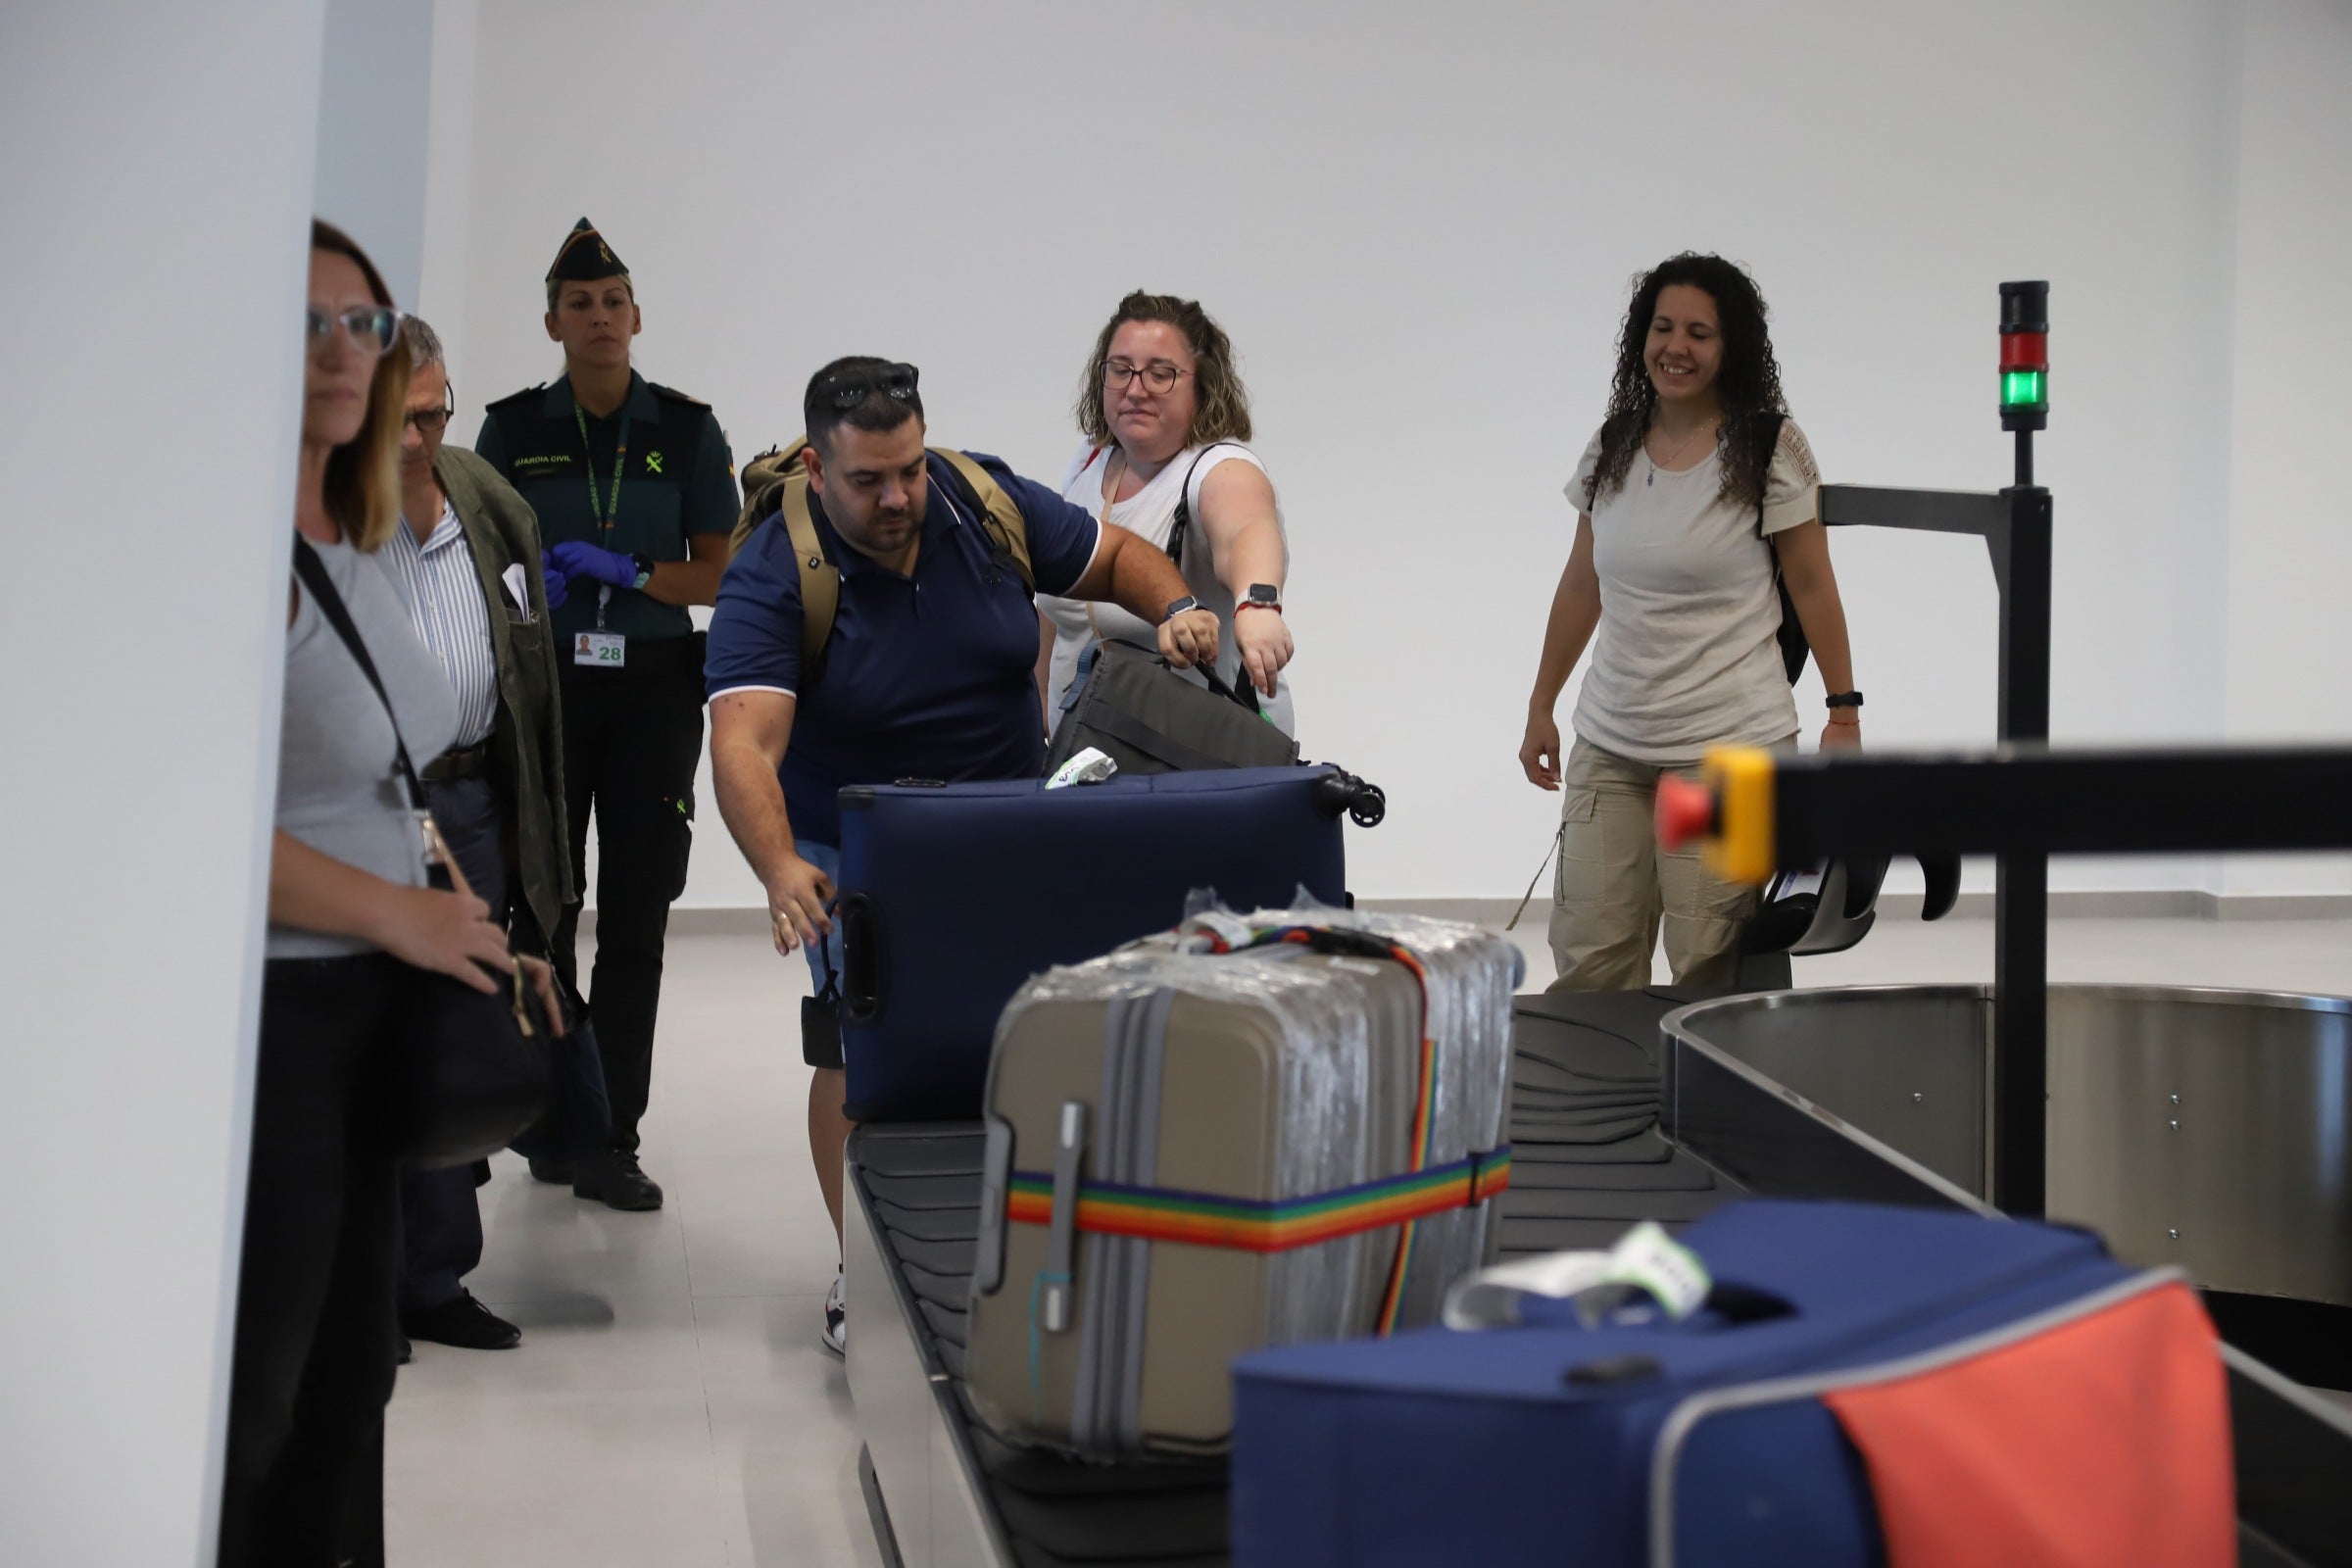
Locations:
(924, 1194)
(1588, 1161)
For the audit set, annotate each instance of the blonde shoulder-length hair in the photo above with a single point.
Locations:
(363, 478)
(1220, 403)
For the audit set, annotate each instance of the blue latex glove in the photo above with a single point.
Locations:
(577, 557)
(559, 586)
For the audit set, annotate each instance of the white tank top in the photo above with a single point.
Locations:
(1151, 514)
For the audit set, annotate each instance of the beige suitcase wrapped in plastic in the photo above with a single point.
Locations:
(1253, 1131)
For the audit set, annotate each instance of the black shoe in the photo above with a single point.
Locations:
(464, 1322)
(615, 1180)
(555, 1172)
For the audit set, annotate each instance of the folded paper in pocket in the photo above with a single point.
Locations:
(518, 589)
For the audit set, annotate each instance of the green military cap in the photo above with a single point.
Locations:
(584, 257)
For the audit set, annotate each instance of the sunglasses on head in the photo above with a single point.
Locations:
(845, 389)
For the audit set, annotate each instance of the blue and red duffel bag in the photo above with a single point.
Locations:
(1862, 1386)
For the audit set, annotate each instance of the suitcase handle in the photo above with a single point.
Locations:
(864, 970)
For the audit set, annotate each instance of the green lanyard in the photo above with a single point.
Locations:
(601, 511)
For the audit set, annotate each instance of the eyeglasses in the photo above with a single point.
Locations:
(845, 389)
(429, 422)
(374, 328)
(1158, 375)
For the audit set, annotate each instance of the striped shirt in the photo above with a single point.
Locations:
(443, 590)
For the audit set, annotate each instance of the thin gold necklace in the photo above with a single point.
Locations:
(1686, 445)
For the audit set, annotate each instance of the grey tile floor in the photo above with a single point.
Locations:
(671, 1403)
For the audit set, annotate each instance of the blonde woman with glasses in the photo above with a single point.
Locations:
(351, 914)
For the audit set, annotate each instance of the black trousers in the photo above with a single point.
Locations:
(440, 1218)
(632, 739)
(313, 1358)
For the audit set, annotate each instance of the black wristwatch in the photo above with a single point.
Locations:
(645, 570)
(1188, 601)
(1846, 700)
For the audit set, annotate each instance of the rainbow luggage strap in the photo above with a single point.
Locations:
(1257, 1225)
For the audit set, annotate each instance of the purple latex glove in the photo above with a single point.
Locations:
(559, 587)
(577, 557)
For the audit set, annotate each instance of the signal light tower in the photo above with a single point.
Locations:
(2025, 368)
(2020, 900)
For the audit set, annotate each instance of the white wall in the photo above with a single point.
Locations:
(2290, 626)
(371, 132)
(449, 162)
(1418, 224)
(152, 254)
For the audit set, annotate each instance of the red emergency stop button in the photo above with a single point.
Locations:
(1685, 810)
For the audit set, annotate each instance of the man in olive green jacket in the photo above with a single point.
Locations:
(526, 743)
(467, 563)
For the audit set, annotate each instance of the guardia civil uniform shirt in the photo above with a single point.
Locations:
(639, 482)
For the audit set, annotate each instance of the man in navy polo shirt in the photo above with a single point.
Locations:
(929, 671)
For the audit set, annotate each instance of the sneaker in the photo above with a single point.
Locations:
(615, 1180)
(837, 1326)
(464, 1322)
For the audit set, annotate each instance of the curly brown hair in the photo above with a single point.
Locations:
(1220, 403)
(1749, 386)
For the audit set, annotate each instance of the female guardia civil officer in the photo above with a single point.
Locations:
(635, 492)
(1696, 487)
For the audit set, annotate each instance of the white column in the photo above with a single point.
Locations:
(153, 256)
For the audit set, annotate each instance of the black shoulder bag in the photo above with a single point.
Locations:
(469, 1070)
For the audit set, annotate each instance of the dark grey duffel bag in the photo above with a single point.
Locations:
(1151, 719)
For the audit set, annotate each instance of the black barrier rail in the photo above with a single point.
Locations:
(2025, 804)
(2146, 801)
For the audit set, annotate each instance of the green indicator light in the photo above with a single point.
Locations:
(2023, 389)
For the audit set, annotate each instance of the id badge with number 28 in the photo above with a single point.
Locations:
(602, 650)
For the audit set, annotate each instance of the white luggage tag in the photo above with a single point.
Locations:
(1089, 766)
(1645, 1259)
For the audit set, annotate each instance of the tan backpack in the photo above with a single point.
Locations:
(776, 483)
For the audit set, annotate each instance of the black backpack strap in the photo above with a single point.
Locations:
(1794, 651)
(312, 573)
(1184, 505)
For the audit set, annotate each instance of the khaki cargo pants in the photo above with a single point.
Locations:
(1615, 886)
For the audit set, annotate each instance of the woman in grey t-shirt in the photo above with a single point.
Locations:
(1695, 488)
(349, 913)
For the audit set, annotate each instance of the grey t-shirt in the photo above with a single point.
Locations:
(337, 789)
(1686, 655)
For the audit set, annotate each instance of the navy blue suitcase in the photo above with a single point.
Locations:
(952, 895)
(1866, 1385)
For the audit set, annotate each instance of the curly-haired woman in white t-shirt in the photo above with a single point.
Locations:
(1165, 416)
(1687, 501)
